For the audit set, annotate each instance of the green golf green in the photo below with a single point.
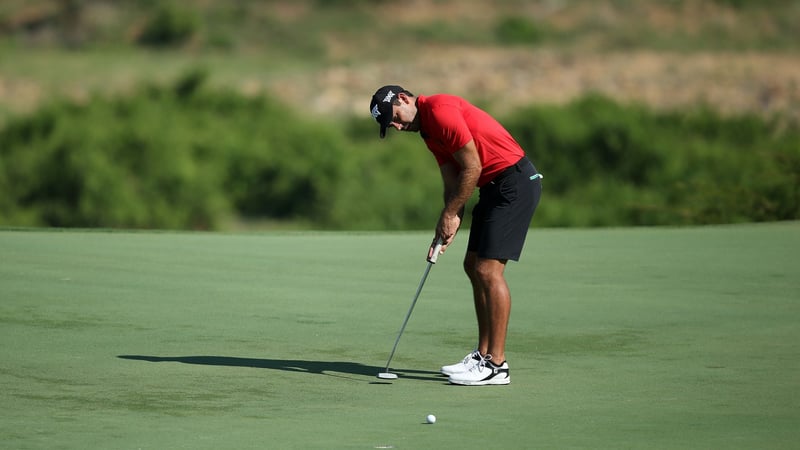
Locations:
(619, 338)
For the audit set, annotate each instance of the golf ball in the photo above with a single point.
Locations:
(431, 418)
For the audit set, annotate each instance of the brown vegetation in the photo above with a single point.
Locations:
(608, 47)
(508, 78)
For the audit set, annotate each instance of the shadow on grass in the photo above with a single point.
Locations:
(290, 365)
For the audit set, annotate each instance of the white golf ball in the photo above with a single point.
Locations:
(431, 418)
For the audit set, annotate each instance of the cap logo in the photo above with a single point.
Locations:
(375, 112)
(388, 97)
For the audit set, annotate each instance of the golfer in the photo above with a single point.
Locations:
(473, 151)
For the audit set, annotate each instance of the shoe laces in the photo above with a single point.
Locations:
(474, 355)
(482, 363)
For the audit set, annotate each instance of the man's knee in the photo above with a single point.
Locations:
(488, 270)
(469, 265)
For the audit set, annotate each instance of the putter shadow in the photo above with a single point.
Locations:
(288, 365)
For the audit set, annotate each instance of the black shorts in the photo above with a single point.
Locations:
(502, 216)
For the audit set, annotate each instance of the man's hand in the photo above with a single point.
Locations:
(447, 228)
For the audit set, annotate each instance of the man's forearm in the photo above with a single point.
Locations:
(457, 196)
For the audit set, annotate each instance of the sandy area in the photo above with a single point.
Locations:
(731, 83)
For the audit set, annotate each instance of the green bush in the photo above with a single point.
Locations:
(168, 26)
(183, 156)
(186, 156)
(518, 30)
(651, 168)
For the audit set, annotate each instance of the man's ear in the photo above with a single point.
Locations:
(402, 96)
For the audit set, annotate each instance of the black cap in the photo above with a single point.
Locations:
(381, 106)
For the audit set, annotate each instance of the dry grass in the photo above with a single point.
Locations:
(508, 78)
(665, 55)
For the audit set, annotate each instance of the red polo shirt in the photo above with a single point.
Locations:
(448, 123)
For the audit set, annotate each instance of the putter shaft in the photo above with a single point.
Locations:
(408, 315)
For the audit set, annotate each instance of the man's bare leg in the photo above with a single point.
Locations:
(492, 303)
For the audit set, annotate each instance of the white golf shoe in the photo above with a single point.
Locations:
(462, 366)
(483, 373)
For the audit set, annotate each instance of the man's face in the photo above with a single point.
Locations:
(404, 115)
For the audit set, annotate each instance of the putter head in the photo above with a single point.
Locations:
(387, 376)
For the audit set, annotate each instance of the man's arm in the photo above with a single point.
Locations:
(459, 184)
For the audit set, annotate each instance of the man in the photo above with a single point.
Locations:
(473, 151)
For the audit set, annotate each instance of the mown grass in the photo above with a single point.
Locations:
(620, 338)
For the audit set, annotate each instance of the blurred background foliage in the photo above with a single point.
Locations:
(221, 115)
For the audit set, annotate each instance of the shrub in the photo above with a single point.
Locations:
(185, 156)
(695, 167)
(169, 26)
(518, 30)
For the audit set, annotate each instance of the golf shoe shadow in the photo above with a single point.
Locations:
(331, 368)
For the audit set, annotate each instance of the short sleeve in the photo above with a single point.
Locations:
(449, 127)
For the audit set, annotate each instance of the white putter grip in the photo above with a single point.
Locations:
(436, 250)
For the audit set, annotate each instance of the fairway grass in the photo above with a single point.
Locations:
(619, 338)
